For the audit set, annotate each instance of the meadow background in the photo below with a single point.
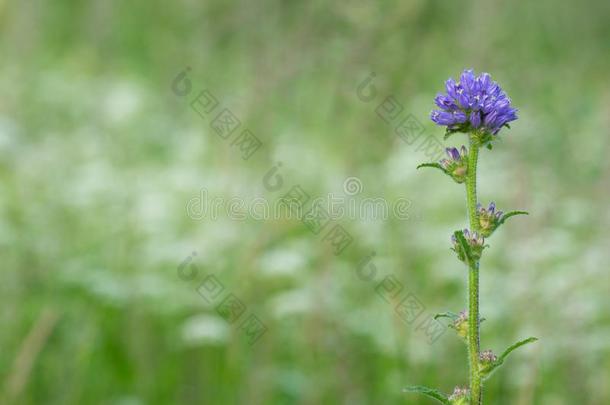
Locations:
(99, 157)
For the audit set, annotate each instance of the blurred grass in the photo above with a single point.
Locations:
(98, 159)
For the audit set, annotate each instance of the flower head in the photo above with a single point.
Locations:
(457, 164)
(460, 396)
(487, 356)
(487, 360)
(474, 103)
(460, 324)
(476, 244)
(488, 218)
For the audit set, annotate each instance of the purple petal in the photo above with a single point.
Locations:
(475, 119)
(467, 79)
(484, 81)
(442, 117)
(453, 153)
(450, 87)
(462, 97)
(444, 102)
(460, 117)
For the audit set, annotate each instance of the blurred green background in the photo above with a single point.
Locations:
(99, 157)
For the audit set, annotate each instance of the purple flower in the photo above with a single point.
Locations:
(489, 218)
(457, 164)
(475, 102)
(474, 239)
(476, 244)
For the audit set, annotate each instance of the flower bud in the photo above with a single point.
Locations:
(460, 396)
(476, 244)
(461, 324)
(488, 218)
(457, 164)
(486, 359)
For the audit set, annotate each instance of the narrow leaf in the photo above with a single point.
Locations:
(451, 315)
(435, 165)
(516, 346)
(486, 372)
(432, 393)
(511, 214)
(459, 235)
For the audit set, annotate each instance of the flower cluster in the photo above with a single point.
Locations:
(487, 357)
(476, 244)
(488, 218)
(475, 103)
(457, 164)
(460, 324)
(460, 396)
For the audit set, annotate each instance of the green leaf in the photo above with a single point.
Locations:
(459, 235)
(516, 346)
(511, 214)
(432, 393)
(486, 372)
(451, 315)
(435, 165)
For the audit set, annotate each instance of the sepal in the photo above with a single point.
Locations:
(482, 138)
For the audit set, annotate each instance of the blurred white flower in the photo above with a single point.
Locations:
(202, 330)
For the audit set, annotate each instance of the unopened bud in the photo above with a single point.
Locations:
(460, 396)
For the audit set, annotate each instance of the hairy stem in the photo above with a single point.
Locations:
(473, 280)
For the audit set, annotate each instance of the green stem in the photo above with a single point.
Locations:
(473, 280)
